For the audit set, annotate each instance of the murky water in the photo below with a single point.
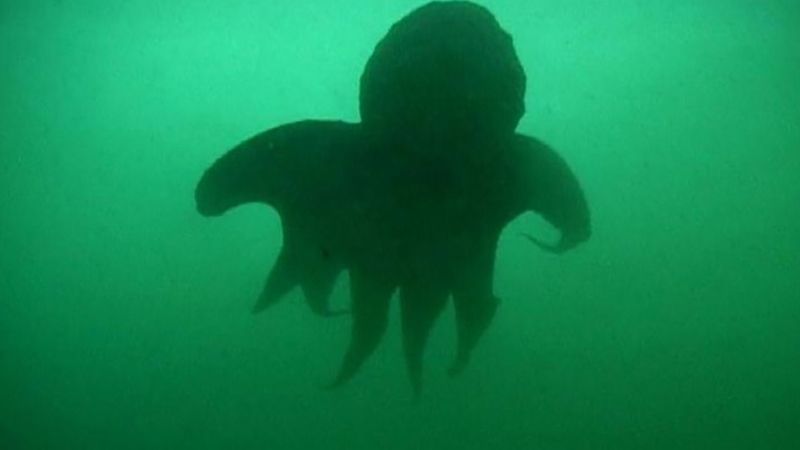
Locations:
(124, 315)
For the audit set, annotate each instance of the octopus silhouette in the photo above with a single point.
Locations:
(414, 197)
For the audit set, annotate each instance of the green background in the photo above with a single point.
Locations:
(124, 315)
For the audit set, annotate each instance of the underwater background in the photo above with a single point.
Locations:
(125, 316)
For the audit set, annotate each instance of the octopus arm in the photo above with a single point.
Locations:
(370, 294)
(421, 303)
(300, 263)
(292, 168)
(473, 299)
(551, 189)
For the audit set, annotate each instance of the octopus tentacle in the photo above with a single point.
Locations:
(473, 315)
(551, 189)
(420, 306)
(474, 301)
(300, 263)
(370, 296)
(281, 279)
(317, 289)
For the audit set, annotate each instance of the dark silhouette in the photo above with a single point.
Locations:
(414, 197)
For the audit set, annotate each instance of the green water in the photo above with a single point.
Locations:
(124, 315)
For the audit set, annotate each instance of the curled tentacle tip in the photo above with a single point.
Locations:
(550, 248)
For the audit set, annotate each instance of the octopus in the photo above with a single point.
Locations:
(412, 199)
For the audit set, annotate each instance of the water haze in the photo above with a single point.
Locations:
(124, 314)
